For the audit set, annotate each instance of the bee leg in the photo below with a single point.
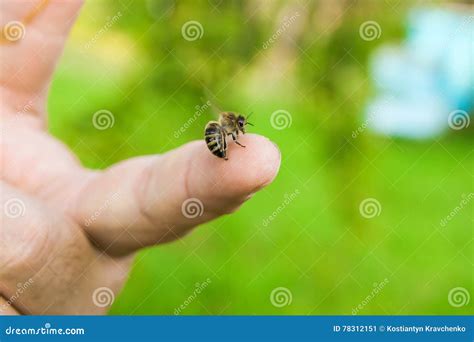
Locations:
(234, 137)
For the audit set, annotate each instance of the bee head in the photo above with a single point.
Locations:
(242, 122)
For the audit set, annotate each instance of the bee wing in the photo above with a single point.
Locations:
(214, 103)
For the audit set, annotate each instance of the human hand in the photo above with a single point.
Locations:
(67, 231)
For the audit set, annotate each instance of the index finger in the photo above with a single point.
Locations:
(155, 199)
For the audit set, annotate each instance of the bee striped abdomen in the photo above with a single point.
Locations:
(215, 139)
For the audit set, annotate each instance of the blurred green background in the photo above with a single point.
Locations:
(130, 57)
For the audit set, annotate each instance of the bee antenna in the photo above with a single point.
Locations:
(248, 116)
(251, 124)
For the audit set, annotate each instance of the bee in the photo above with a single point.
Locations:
(216, 132)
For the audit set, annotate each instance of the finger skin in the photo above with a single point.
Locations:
(6, 309)
(139, 203)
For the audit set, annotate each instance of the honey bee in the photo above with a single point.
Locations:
(216, 132)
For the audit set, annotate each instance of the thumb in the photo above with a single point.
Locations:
(33, 34)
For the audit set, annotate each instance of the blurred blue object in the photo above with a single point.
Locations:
(420, 82)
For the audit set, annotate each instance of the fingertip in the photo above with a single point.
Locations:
(258, 164)
(248, 169)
